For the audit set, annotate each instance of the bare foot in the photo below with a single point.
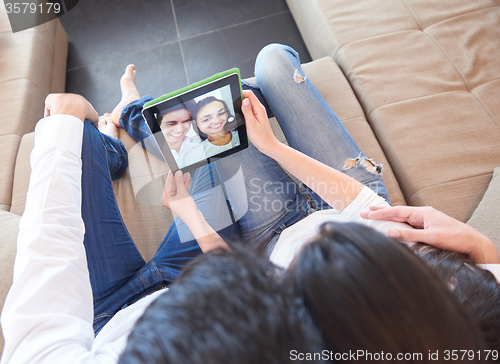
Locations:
(107, 126)
(129, 93)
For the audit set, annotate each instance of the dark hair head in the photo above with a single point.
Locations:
(226, 307)
(368, 292)
(176, 107)
(476, 288)
(195, 109)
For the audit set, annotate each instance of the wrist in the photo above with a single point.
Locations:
(483, 250)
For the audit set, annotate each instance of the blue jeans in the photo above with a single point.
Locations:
(246, 194)
(118, 274)
(266, 200)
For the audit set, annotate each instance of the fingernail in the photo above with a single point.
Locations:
(178, 173)
(246, 102)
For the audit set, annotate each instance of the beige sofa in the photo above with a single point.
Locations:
(414, 82)
(427, 75)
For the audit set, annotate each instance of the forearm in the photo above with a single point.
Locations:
(483, 251)
(206, 237)
(334, 187)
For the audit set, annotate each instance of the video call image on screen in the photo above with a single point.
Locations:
(201, 127)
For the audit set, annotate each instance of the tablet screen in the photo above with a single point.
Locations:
(199, 124)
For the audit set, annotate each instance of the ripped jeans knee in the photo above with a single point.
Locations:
(367, 163)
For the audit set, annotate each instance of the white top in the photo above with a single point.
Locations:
(48, 313)
(206, 149)
(293, 238)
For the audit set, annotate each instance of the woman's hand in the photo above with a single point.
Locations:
(258, 127)
(176, 197)
(437, 229)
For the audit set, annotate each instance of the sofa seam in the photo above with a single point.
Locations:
(423, 30)
(463, 14)
(413, 14)
(334, 55)
(413, 98)
(451, 181)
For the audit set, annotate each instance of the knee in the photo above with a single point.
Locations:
(275, 57)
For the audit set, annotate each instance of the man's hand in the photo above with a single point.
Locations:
(258, 127)
(176, 197)
(437, 229)
(70, 104)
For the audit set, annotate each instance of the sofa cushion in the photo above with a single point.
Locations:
(330, 81)
(9, 229)
(22, 174)
(8, 152)
(4, 19)
(30, 57)
(440, 145)
(22, 106)
(485, 218)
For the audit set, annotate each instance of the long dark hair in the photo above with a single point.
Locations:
(195, 109)
(368, 292)
(476, 288)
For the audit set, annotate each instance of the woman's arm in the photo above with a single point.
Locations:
(177, 199)
(333, 186)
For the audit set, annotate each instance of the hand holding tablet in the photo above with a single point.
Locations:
(200, 123)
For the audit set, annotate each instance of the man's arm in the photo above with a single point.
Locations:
(333, 186)
(437, 229)
(48, 313)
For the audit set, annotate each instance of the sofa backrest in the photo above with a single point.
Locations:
(33, 64)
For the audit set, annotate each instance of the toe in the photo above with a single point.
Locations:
(130, 70)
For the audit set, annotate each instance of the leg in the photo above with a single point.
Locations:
(111, 254)
(308, 122)
(129, 93)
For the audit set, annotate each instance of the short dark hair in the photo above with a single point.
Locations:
(368, 292)
(176, 107)
(226, 307)
(476, 288)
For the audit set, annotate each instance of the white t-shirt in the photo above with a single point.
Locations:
(293, 238)
(206, 149)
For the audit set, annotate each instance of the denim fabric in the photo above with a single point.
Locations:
(265, 199)
(246, 195)
(118, 273)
